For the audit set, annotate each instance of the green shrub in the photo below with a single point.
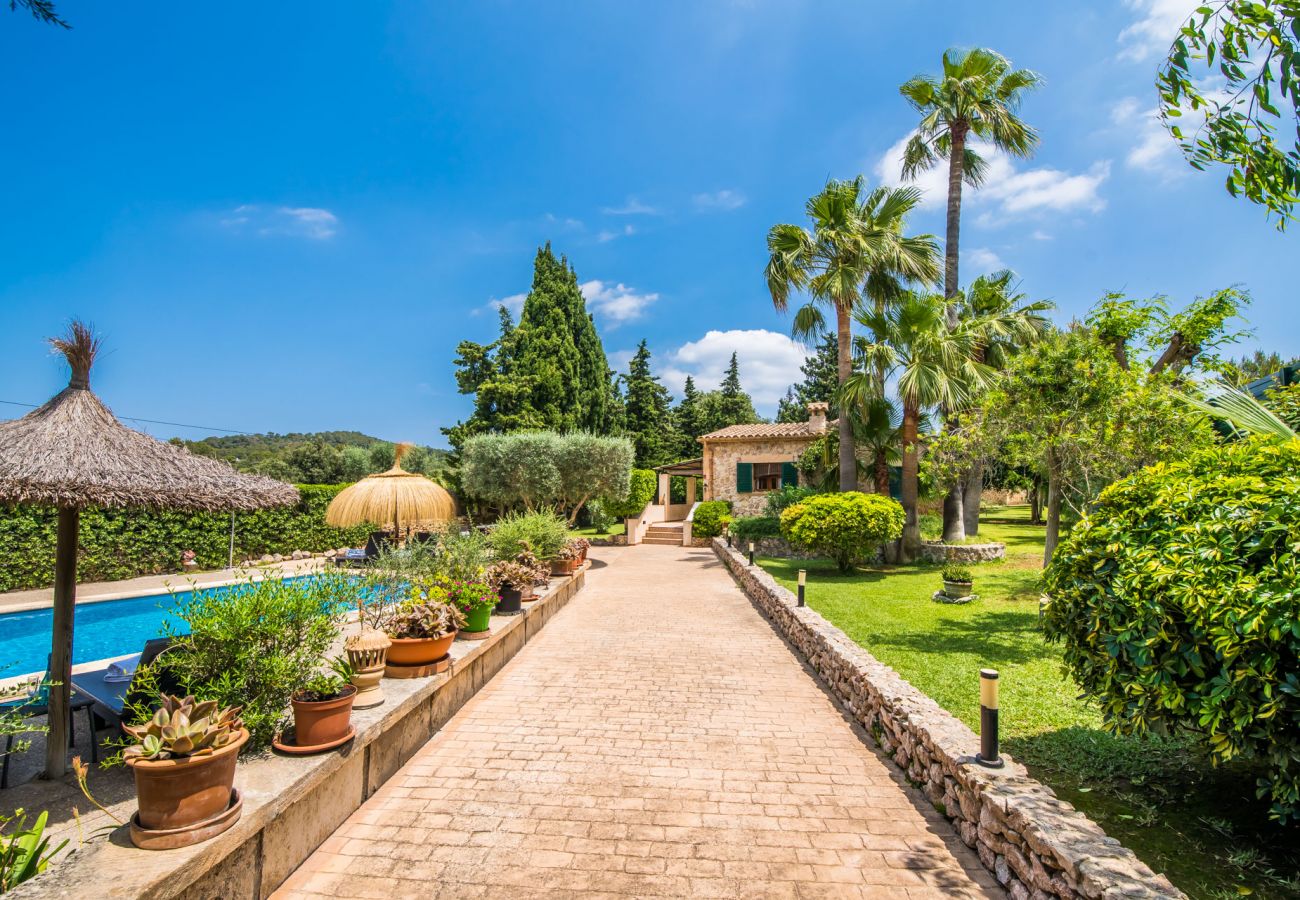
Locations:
(253, 644)
(778, 501)
(749, 527)
(846, 527)
(116, 544)
(641, 490)
(544, 532)
(708, 518)
(1177, 602)
(931, 526)
(958, 574)
(600, 518)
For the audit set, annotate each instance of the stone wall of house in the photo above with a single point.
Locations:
(1035, 844)
(720, 468)
(939, 552)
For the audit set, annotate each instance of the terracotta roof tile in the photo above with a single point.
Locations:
(765, 430)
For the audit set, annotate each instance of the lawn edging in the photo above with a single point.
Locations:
(1035, 844)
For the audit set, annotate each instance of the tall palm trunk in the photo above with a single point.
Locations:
(911, 544)
(973, 493)
(954, 519)
(881, 469)
(844, 366)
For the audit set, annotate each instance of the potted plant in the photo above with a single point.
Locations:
(957, 582)
(474, 600)
(510, 580)
(581, 545)
(422, 632)
(183, 760)
(541, 572)
(322, 709)
(566, 562)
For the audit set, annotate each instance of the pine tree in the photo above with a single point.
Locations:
(735, 406)
(646, 410)
(556, 346)
(819, 385)
(689, 419)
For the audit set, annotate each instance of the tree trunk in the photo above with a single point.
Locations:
(954, 519)
(1053, 507)
(971, 501)
(1035, 505)
(954, 524)
(881, 469)
(65, 598)
(911, 544)
(844, 366)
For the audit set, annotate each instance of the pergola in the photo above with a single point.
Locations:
(690, 469)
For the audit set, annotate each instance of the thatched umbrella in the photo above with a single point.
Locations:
(395, 496)
(72, 454)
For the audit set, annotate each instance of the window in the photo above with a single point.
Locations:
(767, 476)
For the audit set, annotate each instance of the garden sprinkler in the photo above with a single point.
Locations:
(803, 580)
(988, 755)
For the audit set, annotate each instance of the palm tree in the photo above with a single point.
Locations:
(1008, 322)
(856, 242)
(935, 367)
(977, 96)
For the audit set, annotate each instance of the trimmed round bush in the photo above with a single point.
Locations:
(708, 518)
(846, 527)
(1177, 602)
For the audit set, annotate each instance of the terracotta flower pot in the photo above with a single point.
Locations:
(419, 651)
(321, 722)
(563, 566)
(183, 791)
(511, 598)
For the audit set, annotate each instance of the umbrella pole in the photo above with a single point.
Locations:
(65, 595)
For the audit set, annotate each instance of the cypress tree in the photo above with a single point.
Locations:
(646, 411)
(735, 406)
(690, 419)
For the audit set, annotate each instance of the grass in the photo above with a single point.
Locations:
(590, 532)
(1201, 826)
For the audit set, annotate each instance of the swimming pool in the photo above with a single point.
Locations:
(100, 630)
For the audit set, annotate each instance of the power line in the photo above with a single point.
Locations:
(149, 421)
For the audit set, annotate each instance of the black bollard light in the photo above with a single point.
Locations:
(751, 553)
(988, 755)
(803, 580)
(728, 539)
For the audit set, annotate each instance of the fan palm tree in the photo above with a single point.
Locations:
(935, 366)
(975, 97)
(1008, 322)
(856, 244)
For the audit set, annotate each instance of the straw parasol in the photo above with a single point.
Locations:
(72, 454)
(396, 495)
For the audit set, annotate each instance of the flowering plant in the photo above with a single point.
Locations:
(468, 596)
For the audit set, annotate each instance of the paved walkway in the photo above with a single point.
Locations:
(656, 739)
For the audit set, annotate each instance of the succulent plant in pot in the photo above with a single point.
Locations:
(183, 759)
(422, 631)
(322, 708)
(957, 581)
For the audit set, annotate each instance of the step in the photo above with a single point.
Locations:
(663, 542)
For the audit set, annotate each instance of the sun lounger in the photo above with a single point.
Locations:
(110, 690)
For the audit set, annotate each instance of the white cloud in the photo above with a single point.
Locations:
(1155, 29)
(719, 201)
(568, 222)
(1153, 149)
(606, 235)
(294, 221)
(1040, 235)
(984, 259)
(769, 363)
(631, 207)
(615, 303)
(1016, 192)
(514, 303)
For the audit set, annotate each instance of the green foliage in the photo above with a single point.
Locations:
(598, 513)
(647, 419)
(183, 727)
(429, 614)
(117, 544)
(846, 527)
(820, 383)
(1241, 48)
(734, 405)
(321, 457)
(253, 644)
(536, 469)
(931, 526)
(1176, 601)
(958, 574)
(470, 596)
(25, 851)
(1259, 364)
(1285, 404)
(708, 518)
(543, 533)
(642, 486)
(786, 496)
(746, 528)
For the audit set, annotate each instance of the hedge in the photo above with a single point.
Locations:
(749, 527)
(641, 490)
(707, 521)
(118, 544)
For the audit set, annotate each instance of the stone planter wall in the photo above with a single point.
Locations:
(937, 552)
(1035, 844)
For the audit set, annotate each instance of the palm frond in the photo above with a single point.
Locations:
(1238, 409)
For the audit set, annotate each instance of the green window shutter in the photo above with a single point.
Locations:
(789, 475)
(744, 478)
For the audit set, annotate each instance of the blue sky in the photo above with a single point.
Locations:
(283, 217)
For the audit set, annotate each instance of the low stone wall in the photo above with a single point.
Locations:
(1035, 844)
(937, 552)
(292, 804)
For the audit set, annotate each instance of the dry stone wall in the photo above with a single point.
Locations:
(1035, 844)
(938, 552)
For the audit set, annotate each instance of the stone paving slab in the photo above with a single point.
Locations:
(657, 739)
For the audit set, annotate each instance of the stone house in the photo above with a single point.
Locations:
(742, 463)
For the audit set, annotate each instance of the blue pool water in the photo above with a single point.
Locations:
(100, 630)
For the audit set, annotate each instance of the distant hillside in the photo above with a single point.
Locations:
(320, 457)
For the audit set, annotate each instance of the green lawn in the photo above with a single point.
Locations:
(1200, 826)
(590, 532)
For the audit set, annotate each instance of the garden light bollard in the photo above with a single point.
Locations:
(988, 755)
(751, 553)
(803, 580)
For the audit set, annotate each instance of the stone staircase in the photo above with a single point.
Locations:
(668, 534)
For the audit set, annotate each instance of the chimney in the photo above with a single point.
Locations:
(817, 417)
